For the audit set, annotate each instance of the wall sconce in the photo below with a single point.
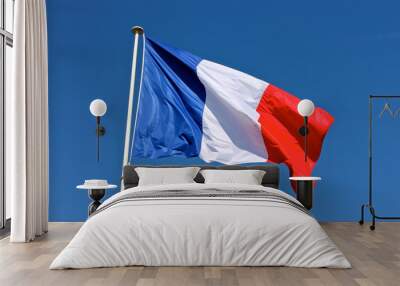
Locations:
(305, 108)
(98, 108)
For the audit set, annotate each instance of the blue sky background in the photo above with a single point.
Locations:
(335, 53)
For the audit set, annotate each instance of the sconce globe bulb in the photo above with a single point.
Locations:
(98, 107)
(305, 108)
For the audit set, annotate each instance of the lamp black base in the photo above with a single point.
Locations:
(100, 131)
(96, 195)
(303, 130)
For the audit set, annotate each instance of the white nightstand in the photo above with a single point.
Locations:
(304, 189)
(96, 190)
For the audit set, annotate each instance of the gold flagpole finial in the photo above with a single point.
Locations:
(137, 29)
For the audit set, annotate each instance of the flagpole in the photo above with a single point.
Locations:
(137, 31)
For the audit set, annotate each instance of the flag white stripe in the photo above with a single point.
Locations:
(231, 131)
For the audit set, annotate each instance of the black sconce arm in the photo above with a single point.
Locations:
(304, 132)
(100, 131)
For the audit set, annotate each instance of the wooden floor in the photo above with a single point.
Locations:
(375, 257)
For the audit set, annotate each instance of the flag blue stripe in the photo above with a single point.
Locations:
(172, 103)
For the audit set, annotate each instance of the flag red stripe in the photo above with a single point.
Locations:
(280, 123)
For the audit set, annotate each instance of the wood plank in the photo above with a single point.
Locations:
(375, 257)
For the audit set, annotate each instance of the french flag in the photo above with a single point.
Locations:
(192, 107)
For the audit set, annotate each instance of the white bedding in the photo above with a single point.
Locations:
(200, 231)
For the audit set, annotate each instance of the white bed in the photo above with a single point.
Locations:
(206, 230)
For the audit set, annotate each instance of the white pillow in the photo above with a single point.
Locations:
(166, 176)
(247, 177)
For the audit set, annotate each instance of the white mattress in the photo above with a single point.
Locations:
(200, 231)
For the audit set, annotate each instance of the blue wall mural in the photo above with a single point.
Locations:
(333, 53)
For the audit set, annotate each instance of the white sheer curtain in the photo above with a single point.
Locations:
(27, 124)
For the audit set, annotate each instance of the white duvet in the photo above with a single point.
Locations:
(200, 231)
